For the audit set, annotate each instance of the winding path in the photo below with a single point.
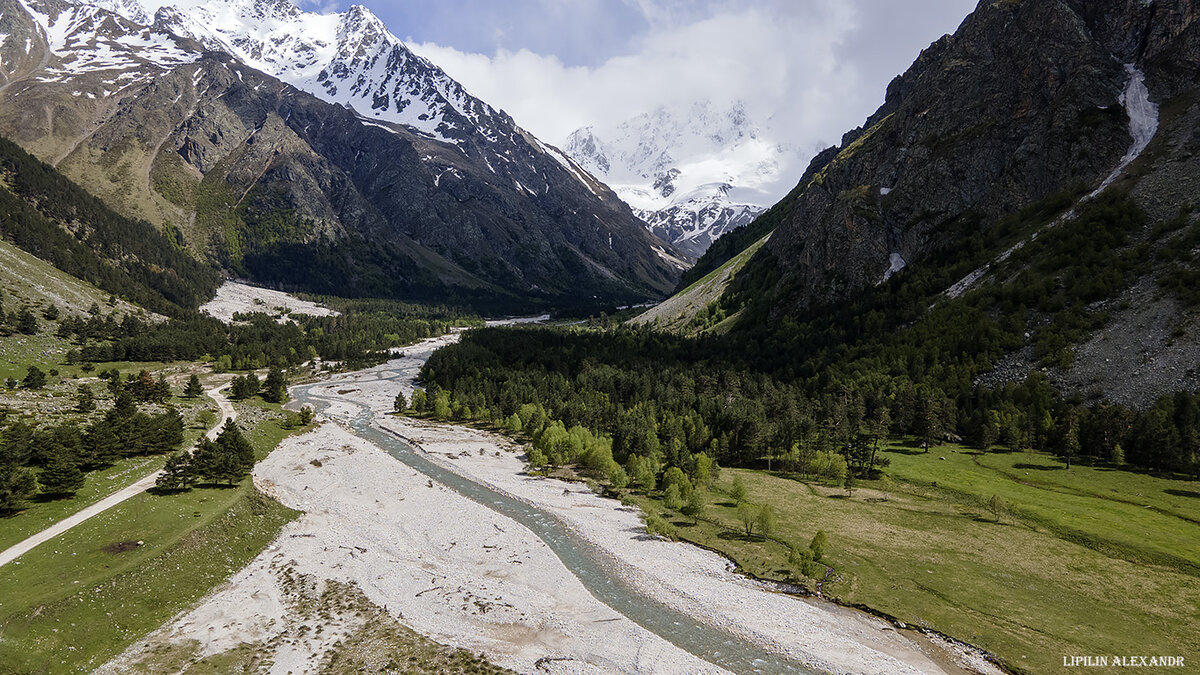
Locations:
(17, 550)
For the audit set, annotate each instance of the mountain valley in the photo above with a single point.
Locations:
(265, 406)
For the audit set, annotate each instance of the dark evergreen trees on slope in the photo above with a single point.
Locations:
(26, 322)
(34, 378)
(130, 258)
(85, 400)
(227, 460)
(17, 483)
(244, 386)
(179, 473)
(62, 474)
(234, 443)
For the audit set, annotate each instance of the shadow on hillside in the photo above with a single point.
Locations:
(740, 536)
(905, 450)
(1183, 493)
(1038, 467)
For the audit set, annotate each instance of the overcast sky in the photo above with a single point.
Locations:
(807, 70)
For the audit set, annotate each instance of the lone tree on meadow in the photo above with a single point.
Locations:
(738, 492)
(748, 516)
(26, 322)
(193, 389)
(819, 541)
(998, 506)
(765, 519)
(34, 378)
(697, 503)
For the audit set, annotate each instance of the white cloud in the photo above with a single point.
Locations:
(792, 62)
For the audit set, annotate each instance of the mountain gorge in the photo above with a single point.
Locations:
(692, 173)
(313, 152)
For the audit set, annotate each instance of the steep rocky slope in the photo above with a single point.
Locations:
(1025, 101)
(1022, 102)
(313, 151)
(1030, 180)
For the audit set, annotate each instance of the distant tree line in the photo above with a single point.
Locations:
(253, 341)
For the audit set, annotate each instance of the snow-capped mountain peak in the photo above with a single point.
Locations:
(692, 172)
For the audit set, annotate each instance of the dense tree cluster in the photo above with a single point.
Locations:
(228, 459)
(256, 340)
(54, 460)
(651, 401)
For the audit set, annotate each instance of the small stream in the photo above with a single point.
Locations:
(591, 566)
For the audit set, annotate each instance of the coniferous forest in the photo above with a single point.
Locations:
(900, 360)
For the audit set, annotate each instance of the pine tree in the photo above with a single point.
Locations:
(205, 460)
(105, 444)
(18, 485)
(143, 386)
(244, 387)
(400, 404)
(62, 475)
(274, 388)
(27, 322)
(193, 389)
(161, 391)
(178, 473)
(232, 443)
(34, 378)
(85, 401)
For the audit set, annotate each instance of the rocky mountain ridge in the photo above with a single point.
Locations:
(313, 151)
(972, 130)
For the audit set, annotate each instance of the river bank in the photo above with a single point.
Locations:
(459, 572)
(700, 583)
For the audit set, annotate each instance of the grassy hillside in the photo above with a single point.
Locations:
(72, 604)
(695, 309)
(29, 281)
